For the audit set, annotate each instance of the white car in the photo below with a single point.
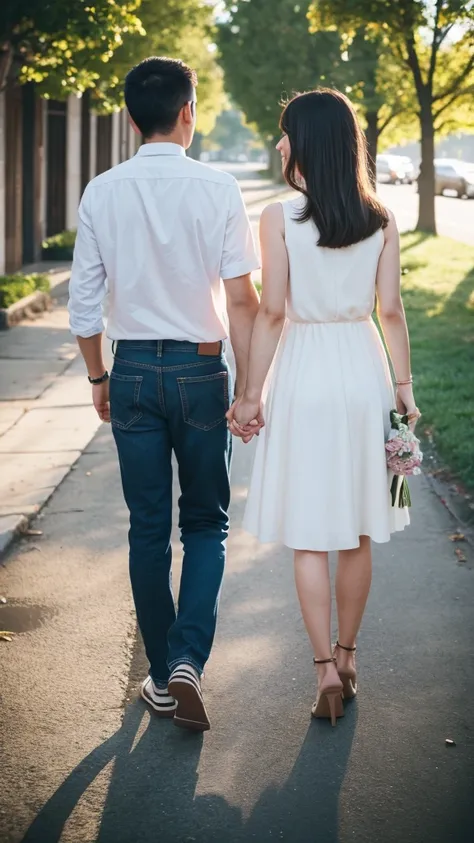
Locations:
(395, 169)
(455, 175)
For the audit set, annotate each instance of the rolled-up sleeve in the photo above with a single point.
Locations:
(87, 286)
(239, 256)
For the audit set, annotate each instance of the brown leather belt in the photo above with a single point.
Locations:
(210, 349)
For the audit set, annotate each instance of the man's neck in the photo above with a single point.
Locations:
(174, 137)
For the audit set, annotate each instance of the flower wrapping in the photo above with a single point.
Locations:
(404, 457)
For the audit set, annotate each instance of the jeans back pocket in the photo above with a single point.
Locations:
(124, 399)
(204, 399)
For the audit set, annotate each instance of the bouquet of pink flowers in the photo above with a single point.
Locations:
(403, 457)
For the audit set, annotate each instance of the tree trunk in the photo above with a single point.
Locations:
(6, 65)
(372, 136)
(275, 164)
(195, 149)
(426, 181)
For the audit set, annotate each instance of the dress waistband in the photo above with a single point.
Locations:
(330, 321)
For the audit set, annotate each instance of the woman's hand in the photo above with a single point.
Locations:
(245, 418)
(406, 404)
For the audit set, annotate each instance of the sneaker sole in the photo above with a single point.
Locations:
(191, 713)
(159, 710)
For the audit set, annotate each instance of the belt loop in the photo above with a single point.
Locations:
(159, 348)
(113, 347)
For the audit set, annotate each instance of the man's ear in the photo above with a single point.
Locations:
(188, 112)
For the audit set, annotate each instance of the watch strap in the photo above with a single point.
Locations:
(96, 381)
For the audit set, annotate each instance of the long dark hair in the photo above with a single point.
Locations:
(329, 152)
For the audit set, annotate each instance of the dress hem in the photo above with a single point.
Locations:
(346, 546)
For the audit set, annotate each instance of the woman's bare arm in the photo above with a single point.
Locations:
(391, 314)
(272, 313)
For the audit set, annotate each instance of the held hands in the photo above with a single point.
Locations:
(100, 398)
(245, 419)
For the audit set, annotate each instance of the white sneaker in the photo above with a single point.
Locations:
(159, 698)
(185, 686)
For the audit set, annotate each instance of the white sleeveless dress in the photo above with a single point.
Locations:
(320, 478)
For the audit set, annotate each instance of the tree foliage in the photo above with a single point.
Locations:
(62, 42)
(179, 29)
(69, 46)
(231, 132)
(434, 41)
(268, 54)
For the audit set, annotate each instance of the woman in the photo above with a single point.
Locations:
(320, 479)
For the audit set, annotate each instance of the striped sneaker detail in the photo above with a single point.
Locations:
(185, 686)
(159, 698)
(186, 673)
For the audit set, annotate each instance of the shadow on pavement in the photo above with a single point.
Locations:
(307, 806)
(151, 795)
(152, 790)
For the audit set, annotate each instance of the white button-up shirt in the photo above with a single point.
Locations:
(160, 233)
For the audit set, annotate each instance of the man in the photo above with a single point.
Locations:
(173, 240)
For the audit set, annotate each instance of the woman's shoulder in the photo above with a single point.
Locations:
(390, 231)
(273, 216)
(279, 213)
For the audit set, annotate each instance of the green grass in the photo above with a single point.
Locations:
(438, 293)
(15, 287)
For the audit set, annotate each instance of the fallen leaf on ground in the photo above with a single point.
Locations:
(457, 537)
(5, 635)
(460, 555)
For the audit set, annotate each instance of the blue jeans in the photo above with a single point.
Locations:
(165, 397)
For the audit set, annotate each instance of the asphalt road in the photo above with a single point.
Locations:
(84, 761)
(455, 217)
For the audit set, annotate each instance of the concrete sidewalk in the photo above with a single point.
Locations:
(46, 417)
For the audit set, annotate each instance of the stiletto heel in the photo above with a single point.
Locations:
(335, 709)
(348, 676)
(329, 700)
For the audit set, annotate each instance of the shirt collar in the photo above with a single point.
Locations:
(161, 149)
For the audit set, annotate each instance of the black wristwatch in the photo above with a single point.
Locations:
(96, 381)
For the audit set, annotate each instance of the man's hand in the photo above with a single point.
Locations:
(100, 398)
(245, 419)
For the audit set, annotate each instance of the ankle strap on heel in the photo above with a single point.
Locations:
(324, 661)
(347, 649)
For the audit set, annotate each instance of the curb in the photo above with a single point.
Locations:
(25, 308)
(15, 525)
(451, 502)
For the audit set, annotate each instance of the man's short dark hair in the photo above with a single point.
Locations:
(155, 92)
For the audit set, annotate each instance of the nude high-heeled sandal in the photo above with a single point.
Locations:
(348, 676)
(329, 700)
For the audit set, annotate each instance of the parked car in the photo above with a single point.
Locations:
(451, 174)
(395, 169)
